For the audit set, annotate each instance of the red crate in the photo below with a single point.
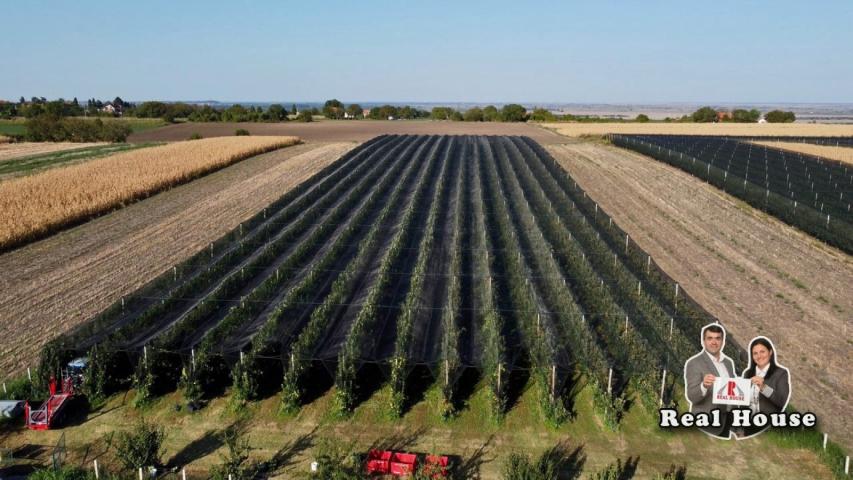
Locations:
(436, 466)
(403, 463)
(378, 461)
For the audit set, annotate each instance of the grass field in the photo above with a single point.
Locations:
(745, 129)
(18, 126)
(286, 445)
(31, 163)
(35, 206)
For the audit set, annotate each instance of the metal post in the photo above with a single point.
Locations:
(140, 473)
(825, 438)
(662, 385)
(97, 474)
(183, 474)
(847, 465)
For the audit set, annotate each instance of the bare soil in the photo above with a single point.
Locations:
(50, 286)
(753, 272)
(347, 131)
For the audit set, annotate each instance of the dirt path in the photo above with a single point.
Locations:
(756, 274)
(53, 285)
(347, 130)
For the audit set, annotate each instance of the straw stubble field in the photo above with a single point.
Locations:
(840, 153)
(35, 206)
(737, 129)
(756, 274)
(50, 286)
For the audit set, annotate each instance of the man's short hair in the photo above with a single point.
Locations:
(715, 329)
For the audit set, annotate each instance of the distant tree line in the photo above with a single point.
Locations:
(61, 108)
(709, 114)
(50, 128)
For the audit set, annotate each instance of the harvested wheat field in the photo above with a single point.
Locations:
(17, 150)
(756, 274)
(35, 206)
(840, 153)
(54, 284)
(745, 129)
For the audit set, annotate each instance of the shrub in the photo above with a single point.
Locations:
(140, 447)
(336, 461)
(778, 116)
(195, 136)
(642, 118)
(242, 132)
(234, 464)
(305, 116)
(64, 473)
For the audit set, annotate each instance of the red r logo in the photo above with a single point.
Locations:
(731, 388)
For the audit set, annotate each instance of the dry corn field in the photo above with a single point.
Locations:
(840, 153)
(743, 129)
(35, 206)
(17, 150)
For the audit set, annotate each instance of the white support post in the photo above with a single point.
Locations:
(671, 321)
(183, 474)
(610, 382)
(97, 473)
(553, 382)
(499, 377)
(626, 244)
(30, 374)
(122, 304)
(140, 473)
(626, 324)
(639, 288)
(825, 438)
(4, 388)
(847, 465)
(446, 372)
(241, 357)
(192, 357)
(145, 354)
(175, 273)
(662, 385)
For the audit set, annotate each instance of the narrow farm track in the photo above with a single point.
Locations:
(754, 273)
(53, 285)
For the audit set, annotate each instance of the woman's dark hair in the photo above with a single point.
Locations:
(750, 372)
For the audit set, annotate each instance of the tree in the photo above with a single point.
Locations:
(778, 116)
(277, 112)
(333, 109)
(234, 464)
(355, 111)
(141, 446)
(705, 115)
(542, 115)
(441, 113)
(293, 110)
(513, 112)
(305, 116)
(642, 118)
(491, 114)
(745, 116)
(474, 114)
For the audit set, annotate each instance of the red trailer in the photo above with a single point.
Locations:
(51, 410)
(388, 462)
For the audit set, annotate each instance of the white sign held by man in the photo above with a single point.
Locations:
(731, 391)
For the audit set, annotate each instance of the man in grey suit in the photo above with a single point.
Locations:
(701, 370)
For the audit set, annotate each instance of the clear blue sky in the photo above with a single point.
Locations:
(528, 51)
